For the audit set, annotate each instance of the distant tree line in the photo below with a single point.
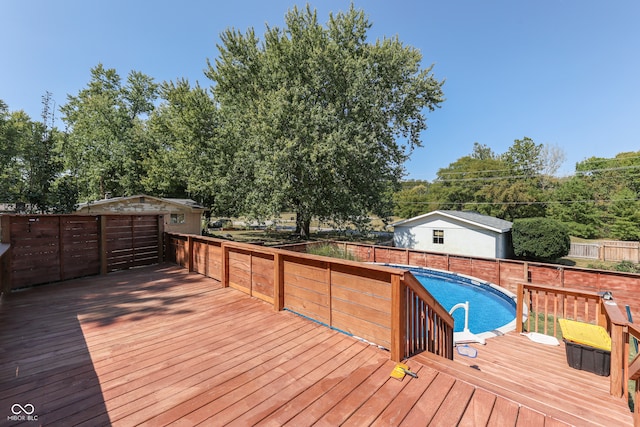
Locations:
(32, 173)
(600, 200)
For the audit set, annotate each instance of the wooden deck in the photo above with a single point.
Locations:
(157, 345)
(538, 376)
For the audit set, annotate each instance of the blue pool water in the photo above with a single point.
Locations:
(489, 309)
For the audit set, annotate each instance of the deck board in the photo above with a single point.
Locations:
(158, 345)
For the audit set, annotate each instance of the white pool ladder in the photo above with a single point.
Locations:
(466, 336)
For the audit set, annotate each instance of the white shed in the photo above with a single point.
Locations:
(455, 232)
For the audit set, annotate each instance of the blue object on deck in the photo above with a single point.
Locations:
(465, 350)
(635, 341)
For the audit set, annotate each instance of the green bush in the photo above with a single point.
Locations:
(623, 266)
(627, 267)
(541, 239)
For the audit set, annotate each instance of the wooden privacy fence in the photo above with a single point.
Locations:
(382, 305)
(584, 250)
(614, 251)
(50, 248)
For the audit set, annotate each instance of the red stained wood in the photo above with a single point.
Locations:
(158, 345)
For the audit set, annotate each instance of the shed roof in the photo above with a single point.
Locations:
(473, 218)
(189, 203)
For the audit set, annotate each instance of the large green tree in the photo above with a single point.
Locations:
(508, 185)
(461, 185)
(615, 188)
(573, 203)
(624, 211)
(183, 131)
(107, 140)
(519, 193)
(322, 119)
(412, 201)
(9, 175)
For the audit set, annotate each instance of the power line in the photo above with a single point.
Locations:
(528, 176)
(551, 202)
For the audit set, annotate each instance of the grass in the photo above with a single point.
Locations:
(332, 251)
(541, 322)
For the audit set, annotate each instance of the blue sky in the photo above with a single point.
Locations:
(562, 72)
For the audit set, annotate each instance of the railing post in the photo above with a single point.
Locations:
(617, 326)
(398, 315)
(519, 307)
(329, 289)
(225, 265)
(190, 253)
(278, 282)
(636, 414)
(602, 316)
(617, 364)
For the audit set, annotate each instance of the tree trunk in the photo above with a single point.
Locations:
(303, 224)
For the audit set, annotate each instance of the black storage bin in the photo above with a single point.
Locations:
(588, 358)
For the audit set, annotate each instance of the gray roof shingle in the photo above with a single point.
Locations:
(485, 221)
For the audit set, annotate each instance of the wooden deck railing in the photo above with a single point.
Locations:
(547, 304)
(379, 304)
(506, 273)
(427, 322)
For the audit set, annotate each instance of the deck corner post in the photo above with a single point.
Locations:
(398, 314)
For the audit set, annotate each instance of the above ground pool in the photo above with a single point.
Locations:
(490, 308)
